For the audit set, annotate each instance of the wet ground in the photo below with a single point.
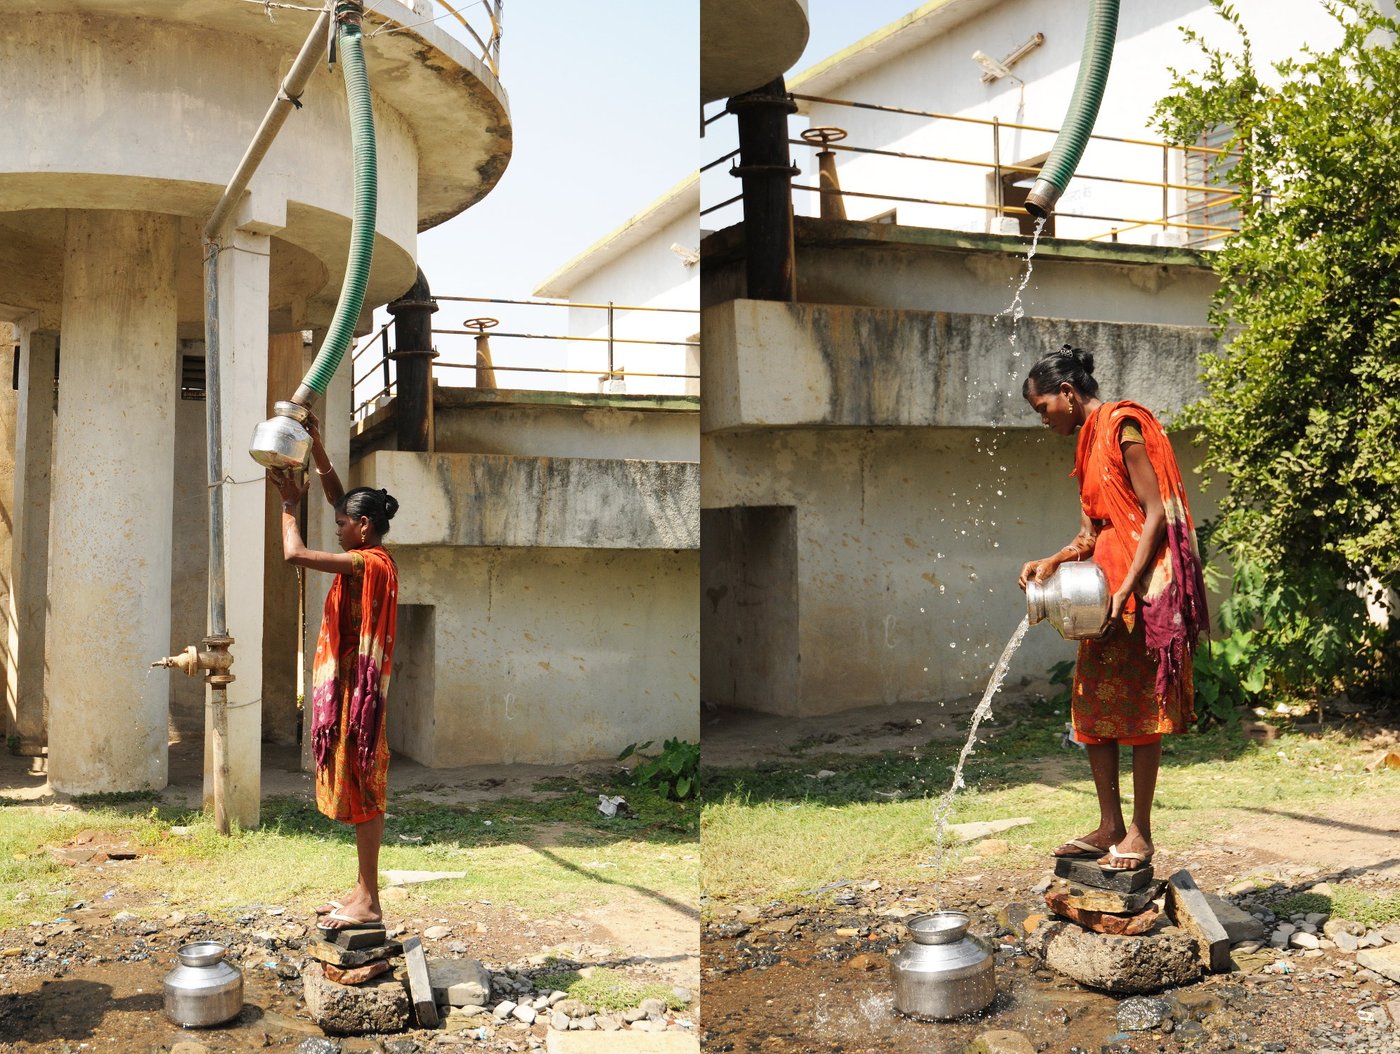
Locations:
(815, 978)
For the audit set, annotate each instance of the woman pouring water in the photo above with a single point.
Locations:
(350, 677)
(1133, 683)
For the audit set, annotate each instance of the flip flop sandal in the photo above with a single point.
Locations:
(1085, 850)
(336, 916)
(1141, 860)
(329, 907)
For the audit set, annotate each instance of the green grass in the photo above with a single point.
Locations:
(1345, 902)
(771, 831)
(555, 854)
(605, 989)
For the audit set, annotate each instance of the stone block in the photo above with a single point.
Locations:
(1089, 873)
(460, 982)
(1102, 921)
(1000, 1041)
(337, 956)
(1088, 898)
(1118, 965)
(1385, 961)
(1188, 908)
(1239, 925)
(379, 1006)
(970, 832)
(353, 938)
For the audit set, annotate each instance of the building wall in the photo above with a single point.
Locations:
(467, 420)
(650, 274)
(908, 542)
(547, 656)
(940, 76)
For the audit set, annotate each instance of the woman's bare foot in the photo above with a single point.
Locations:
(356, 910)
(1128, 853)
(1094, 843)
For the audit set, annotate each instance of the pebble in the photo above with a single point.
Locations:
(524, 1013)
(436, 933)
(1303, 939)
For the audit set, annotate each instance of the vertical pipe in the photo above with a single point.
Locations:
(413, 351)
(996, 168)
(611, 361)
(1166, 204)
(766, 171)
(384, 361)
(833, 205)
(213, 424)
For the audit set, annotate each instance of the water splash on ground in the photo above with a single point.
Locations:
(945, 803)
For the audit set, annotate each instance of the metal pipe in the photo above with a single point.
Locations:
(766, 171)
(288, 99)
(413, 351)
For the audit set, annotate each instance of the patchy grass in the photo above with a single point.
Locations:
(553, 855)
(606, 989)
(773, 831)
(1345, 902)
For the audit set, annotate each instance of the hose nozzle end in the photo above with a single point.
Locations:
(1040, 202)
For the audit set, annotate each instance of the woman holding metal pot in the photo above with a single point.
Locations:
(1132, 684)
(350, 676)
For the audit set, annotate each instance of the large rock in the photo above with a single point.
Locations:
(1239, 925)
(460, 982)
(1000, 1041)
(1120, 965)
(379, 1006)
(1385, 961)
(1102, 921)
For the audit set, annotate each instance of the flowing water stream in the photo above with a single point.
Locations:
(1016, 309)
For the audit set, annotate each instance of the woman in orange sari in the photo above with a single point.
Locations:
(350, 676)
(1133, 683)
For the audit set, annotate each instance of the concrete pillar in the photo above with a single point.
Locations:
(320, 529)
(114, 447)
(281, 626)
(26, 703)
(9, 409)
(243, 351)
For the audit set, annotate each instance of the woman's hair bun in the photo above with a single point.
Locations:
(391, 505)
(1084, 358)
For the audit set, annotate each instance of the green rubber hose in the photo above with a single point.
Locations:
(1059, 167)
(352, 293)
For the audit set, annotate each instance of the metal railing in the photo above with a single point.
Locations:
(482, 26)
(1161, 209)
(622, 353)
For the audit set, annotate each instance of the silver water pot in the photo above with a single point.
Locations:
(1074, 600)
(944, 973)
(281, 441)
(203, 989)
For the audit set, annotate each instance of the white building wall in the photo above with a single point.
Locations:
(941, 77)
(650, 274)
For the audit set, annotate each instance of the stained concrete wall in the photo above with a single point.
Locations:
(548, 573)
(908, 542)
(550, 656)
(551, 424)
(872, 480)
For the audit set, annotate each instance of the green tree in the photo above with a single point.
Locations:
(1302, 415)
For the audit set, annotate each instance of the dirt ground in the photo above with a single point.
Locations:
(812, 977)
(98, 984)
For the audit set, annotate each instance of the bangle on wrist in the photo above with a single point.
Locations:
(327, 472)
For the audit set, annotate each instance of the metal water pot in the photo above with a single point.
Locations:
(1074, 600)
(203, 989)
(281, 441)
(944, 973)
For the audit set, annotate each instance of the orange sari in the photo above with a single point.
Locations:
(349, 686)
(1135, 683)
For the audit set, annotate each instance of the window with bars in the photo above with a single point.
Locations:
(1211, 201)
(192, 377)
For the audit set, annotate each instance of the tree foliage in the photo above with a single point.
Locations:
(1302, 412)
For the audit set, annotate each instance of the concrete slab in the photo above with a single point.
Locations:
(1188, 908)
(626, 1042)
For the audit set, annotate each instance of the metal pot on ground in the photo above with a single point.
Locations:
(943, 973)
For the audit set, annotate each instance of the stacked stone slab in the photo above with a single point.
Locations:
(378, 1004)
(1110, 933)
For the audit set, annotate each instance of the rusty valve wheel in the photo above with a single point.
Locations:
(481, 325)
(824, 135)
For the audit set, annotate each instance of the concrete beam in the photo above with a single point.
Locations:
(774, 365)
(571, 503)
(26, 706)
